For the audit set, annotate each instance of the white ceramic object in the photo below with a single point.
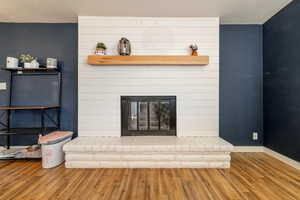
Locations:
(51, 63)
(27, 65)
(100, 52)
(12, 62)
(34, 64)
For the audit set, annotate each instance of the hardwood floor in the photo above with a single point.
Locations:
(252, 176)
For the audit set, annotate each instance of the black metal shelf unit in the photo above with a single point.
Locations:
(43, 129)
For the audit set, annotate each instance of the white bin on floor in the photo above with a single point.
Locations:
(52, 148)
(52, 154)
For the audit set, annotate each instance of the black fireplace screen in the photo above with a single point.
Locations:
(148, 115)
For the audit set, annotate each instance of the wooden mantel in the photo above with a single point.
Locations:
(148, 60)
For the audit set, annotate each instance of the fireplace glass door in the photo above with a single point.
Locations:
(154, 115)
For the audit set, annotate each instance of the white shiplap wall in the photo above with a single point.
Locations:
(196, 88)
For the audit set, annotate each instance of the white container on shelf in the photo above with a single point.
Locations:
(12, 62)
(51, 63)
(34, 64)
(27, 65)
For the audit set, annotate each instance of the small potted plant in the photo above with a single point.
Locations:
(27, 60)
(100, 49)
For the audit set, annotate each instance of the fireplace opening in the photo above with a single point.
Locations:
(148, 115)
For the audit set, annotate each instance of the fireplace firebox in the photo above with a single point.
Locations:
(148, 115)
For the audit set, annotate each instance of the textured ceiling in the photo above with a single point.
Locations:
(230, 11)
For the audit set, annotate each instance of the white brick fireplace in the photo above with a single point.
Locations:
(196, 88)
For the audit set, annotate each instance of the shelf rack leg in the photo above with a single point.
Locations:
(42, 123)
(9, 112)
(7, 142)
(58, 118)
(8, 130)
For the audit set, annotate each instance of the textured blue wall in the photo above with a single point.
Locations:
(43, 40)
(282, 81)
(240, 73)
(241, 78)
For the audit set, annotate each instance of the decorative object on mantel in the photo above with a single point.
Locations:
(124, 47)
(12, 62)
(148, 60)
(100, 49)
(51, 63)
(194, 48)
(27, 61)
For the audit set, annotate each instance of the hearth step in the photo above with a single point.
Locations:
(145, 164)
(135, 156)
(148, 152)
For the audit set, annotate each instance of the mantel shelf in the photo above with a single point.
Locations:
(148, 60)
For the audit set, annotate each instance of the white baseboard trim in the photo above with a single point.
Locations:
(248, 149)
(282, 158)
(270, 152)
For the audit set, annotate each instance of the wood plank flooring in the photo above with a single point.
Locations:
(252, 176)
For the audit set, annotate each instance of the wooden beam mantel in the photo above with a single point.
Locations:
(148, 60)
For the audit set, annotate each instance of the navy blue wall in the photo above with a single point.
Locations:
(43, 40)
(282, 81)
(240, 73)
(241, 78)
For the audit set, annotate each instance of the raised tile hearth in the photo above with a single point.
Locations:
(148, 152)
